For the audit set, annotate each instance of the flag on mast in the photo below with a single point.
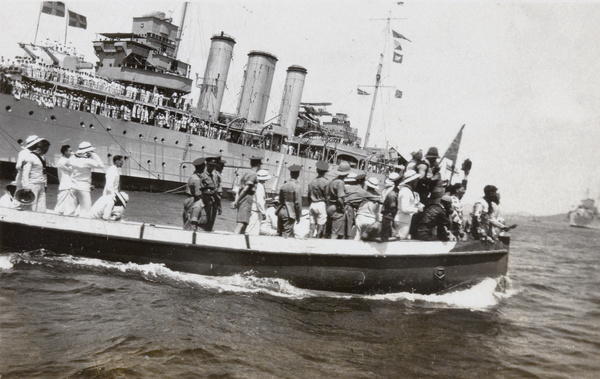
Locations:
(398, 94)
(398, 46)
(54, 8)
(76, 20)
(398, 35)
(361, 92)
(397, 57)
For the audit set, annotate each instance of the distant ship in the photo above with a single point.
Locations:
(586, 215)
(132, 104)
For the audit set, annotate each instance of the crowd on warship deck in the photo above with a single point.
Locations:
(134, 103)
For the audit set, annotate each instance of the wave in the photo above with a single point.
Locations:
(481, 296)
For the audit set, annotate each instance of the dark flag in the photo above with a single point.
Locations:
(452, 152)
(54, 8)
(397, 57)
(361, 92)
(398, 35)
(398, 94)
(76, 20)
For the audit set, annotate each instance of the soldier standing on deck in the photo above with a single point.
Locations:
(336, 193)
(243, 199)
(290, 210)
(210, 197)
(193, 204)
(317, 200)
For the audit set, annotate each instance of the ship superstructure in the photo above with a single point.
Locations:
(146, 56)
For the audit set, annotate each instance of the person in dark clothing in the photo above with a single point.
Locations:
(290, 210)
(390, 208)
(434, 223)
(336, 194)
(210, 198)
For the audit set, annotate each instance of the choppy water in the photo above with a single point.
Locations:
(62, 316)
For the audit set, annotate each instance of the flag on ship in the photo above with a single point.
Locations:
(398, 94)
(397, 57)
(398, 46)
(452, 151)
(398, 35)
(54, 8)
(361, 92)
(76, 20)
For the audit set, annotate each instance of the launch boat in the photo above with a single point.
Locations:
(332, 265)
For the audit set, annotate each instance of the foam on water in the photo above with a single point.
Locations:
(481, 296)
(5, 262)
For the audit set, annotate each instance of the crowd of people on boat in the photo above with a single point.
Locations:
(28, 190)
(413, 202)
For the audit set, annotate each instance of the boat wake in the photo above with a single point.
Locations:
(480, 296)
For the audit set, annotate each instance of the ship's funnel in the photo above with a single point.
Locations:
(292, 95)
(258, 79)
(215, 76)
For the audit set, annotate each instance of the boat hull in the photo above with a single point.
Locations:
(330, 265)
(583, 219)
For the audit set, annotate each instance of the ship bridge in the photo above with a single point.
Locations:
(146, 56)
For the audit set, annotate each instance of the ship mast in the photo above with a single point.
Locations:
(377, 83)
(180, 31)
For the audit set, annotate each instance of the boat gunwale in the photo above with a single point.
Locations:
(207, 247)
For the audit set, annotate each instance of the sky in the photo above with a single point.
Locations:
(524, 77)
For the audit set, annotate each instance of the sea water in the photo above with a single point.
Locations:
(65, 316)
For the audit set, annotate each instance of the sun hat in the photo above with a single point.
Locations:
(32, 140)
(361, 176)
(263, 175)
(409, 176)
(25, 196)
(394, 176)
(343, 169)
(350, 179)
(432, 153)
(372, 182)
(85, 147)
(123, 197)
(322, 166)
(446, 199)
(295, 168)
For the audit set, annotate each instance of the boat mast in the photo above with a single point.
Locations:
(180, 31)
